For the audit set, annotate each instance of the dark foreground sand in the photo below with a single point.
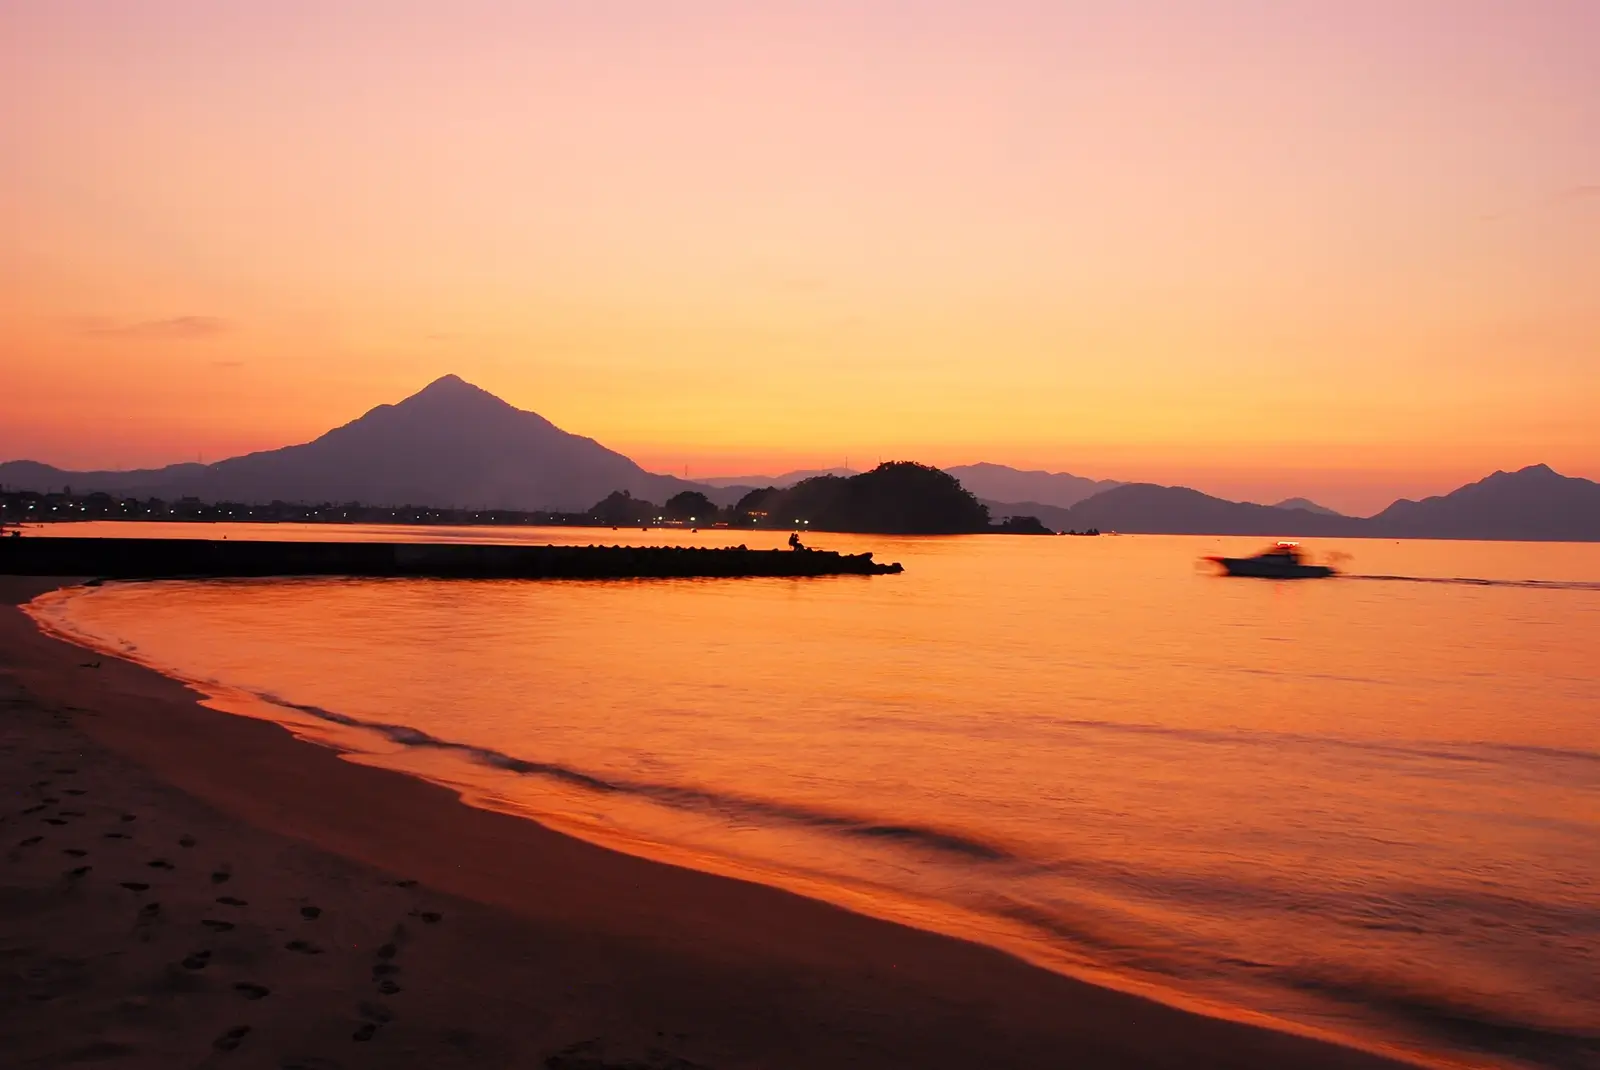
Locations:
(180, 887)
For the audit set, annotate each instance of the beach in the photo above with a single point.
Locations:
(184, 887)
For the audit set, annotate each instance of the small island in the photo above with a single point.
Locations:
(895, 498)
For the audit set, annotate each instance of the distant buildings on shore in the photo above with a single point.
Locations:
(26, 506)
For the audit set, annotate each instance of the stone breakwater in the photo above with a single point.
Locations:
(216, 559)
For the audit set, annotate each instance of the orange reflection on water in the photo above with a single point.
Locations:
(1367, 805)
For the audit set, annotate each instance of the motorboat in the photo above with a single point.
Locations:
(1281, 562)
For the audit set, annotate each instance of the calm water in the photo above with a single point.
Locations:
(1370, 806)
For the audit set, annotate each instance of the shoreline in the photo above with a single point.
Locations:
(352, 740)
(745, 974)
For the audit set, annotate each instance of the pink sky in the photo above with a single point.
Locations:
(1348, 250)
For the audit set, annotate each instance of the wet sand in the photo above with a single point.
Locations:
(182, 887)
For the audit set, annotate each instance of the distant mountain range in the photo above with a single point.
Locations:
(1307, 504)
(788, 479)
(1151, 509)
(453, 444)
(996, 482)
(1534, 503)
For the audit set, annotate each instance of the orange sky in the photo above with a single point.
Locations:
(1263, 248)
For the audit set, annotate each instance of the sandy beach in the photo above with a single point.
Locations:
(182, 887)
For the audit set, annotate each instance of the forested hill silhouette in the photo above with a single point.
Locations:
(449, 444)
(897, 497)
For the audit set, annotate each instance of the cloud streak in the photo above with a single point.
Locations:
(1574, 194)
(177, 328)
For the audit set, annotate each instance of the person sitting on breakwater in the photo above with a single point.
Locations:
(794, 541)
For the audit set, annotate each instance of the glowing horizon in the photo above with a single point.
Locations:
(1260, 249)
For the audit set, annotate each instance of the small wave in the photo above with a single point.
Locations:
(1455, 1017)
(1468, 581)
(1444, 752)
(1573, 753)
(1459, 1017)
(1558, 1036)
(1484, 752)
(676, 796)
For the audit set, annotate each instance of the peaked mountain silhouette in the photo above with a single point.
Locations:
(451, 443)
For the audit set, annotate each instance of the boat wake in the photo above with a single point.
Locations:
(1468, 581)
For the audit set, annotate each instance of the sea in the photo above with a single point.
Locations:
(1366, 807)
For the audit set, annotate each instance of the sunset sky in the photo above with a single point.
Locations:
(1262, 247)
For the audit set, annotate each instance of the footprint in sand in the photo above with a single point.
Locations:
(388, 987)
(407, 883)
(34, 809)
(231, 1038)
(130, 817)
(231, 901)
(160, 863)
(30, 841)
(251, 990)
(387, 951)
(75, 791)
(136, 886)
(303, 946)
(431, 917)
(149, 910)
(54, 821)
(75, 852)
(79, 872)
(311, 913)
(384, 969)
(217, 926)
(187, 841)
(73, 813)
(197, 961)
(221, 876)
(364, 1032)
